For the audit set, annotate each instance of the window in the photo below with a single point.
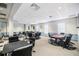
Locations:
(37, 28)
(46, 28)
(61, 27)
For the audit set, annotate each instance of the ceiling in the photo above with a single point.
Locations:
(44, 12)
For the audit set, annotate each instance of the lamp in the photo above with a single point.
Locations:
(35, 6)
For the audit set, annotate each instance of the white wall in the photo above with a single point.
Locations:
(40, 27)
(18, 27)
(70, 25)
(3, 24)
(14, 27)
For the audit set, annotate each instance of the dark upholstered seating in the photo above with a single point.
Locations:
(13, 39)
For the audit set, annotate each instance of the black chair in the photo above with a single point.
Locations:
(37, 35)
(29, 34)
(67, 41)
(62, 33)
(13, 39)
(24, 33)
(51, 40)
(50, 35)
(23, 52)
(32, 38)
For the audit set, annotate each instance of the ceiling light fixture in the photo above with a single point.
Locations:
(34, 6)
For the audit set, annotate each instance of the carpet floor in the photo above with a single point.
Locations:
(43, 48)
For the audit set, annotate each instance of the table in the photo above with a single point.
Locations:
(8, 48)
(58, 37)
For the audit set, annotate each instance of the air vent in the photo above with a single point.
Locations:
(3, 5)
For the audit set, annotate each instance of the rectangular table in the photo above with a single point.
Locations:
(58, 37)
(8, 48)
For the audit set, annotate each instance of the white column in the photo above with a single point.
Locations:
(10, 27)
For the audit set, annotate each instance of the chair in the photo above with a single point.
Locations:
(37, 35)
(13, 39)
(31, 38)
(62, 33)
(49, 34)
(24, 33)
(51, 40)
(67, 41)
(23, 52)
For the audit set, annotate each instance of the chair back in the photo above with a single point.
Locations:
(13, 39)
(49, 34)
(62, 33)
(29, 34)
(37, 35)
(68, 38)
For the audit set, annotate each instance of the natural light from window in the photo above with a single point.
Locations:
(61, 27)
(46, 28)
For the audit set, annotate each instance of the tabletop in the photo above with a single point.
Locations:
(15, 46)
(58, 36)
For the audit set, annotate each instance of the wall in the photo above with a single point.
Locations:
(18, 27)
(13, 26)
(39, 27)
(70, 25)
(3, 26)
